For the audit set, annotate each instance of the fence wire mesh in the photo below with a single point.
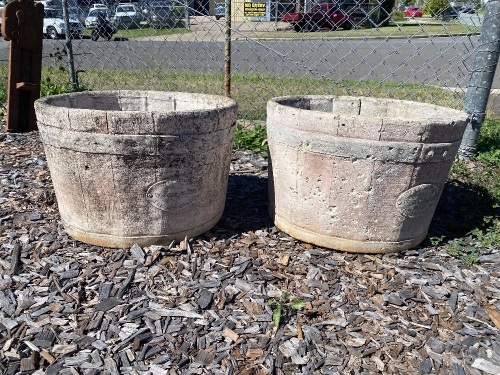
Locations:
(354, 47)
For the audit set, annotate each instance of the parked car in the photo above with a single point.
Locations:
(91, 19)
(77, 13)
(219, 10)
(54, 26)
(469, 8)
(99, 6)
(2, 5)
(463, 7)
(46, 3)
(450, 14)
(103, 28)
(159, 15)
(127, 16)
(320, 16)
(414, 12)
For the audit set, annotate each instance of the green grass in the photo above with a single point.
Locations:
(252, 91)
(399, 29)
(467, 220)
(143, 32)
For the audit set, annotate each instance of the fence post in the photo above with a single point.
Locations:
(481, 78)
(187, 24)
(69, 46)
(227, 50)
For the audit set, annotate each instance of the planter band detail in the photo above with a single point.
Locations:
(354, 148)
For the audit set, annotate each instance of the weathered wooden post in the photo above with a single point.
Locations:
(22, 24)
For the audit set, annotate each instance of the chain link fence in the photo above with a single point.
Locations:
(256, 50)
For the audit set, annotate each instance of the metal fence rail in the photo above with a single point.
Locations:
(268, 58)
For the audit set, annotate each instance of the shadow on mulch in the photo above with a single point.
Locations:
(462, 208)
(246, 207)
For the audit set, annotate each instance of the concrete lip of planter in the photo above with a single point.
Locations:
(139, 167)
(359, 174)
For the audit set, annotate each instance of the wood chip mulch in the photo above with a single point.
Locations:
(205, 306)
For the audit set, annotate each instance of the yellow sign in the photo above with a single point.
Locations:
(254, 9)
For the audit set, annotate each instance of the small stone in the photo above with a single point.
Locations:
(35, 216)
(205, 299)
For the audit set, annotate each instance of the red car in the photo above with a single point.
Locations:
(413, 12)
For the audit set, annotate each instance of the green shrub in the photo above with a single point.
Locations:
(3, 94)
(436, 7)
(383, 16)
(398, 16)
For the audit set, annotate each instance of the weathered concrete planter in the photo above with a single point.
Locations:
(359, 174)
(137, 166)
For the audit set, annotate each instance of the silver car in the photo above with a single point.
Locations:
(127, 16)
(91, 18)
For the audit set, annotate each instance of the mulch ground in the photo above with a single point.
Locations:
(206, 305)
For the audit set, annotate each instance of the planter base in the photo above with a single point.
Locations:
(109, 240)
(345, 244)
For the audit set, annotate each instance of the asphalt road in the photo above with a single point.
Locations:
(444, 61)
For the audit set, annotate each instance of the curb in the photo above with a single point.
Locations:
(494, 102)
(493, 105)
(355, 37)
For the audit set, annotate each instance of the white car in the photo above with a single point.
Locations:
(2, 5)
(103, 7)
(54, 26)
(76, 12)
(127, 16)
(91, 18)
(46, 3)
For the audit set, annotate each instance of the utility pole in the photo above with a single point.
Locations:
(481, 79)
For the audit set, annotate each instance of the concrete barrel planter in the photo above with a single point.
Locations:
(359, 174)
(139, 167)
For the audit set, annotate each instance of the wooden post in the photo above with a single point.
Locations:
(22, 25)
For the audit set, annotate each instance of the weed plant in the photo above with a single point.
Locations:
(252, 138)
(467, 221)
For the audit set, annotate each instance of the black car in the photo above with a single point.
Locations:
(159, 15)
(450, 14)
(468, 8)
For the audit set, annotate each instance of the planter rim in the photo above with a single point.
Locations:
(50, 101)
(457, 114)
